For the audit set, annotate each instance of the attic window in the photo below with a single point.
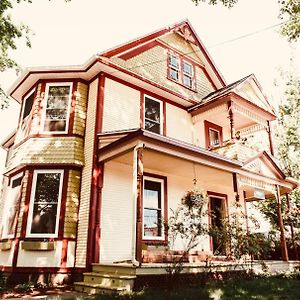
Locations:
(181, 71)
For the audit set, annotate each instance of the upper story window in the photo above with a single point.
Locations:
(153, 209)
(153, 115)
(27, 105)
(57, 107)
(45, 200)
(10, 212)
(213, 135)
(181, 71)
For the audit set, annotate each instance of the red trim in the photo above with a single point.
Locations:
(64, 253)
(72, 108)
(41, 270)
(91, 244)
(139, 50)
(165, 212)
(269, 131)
(164, 118)
(142, 111)
(207, 126)
(63, 204)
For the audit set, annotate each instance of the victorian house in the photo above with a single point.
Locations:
(103, 151)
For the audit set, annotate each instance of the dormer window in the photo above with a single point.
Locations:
(181, 71)
(57, 107)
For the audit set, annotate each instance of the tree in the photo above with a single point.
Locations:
(9, 34)
(289, 9)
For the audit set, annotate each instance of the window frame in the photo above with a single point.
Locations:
(161, 114)
(45, 100)
(211, 126)
(182, 59)
(32, 91)
(31, 204)
(4, 218)
(162, 182)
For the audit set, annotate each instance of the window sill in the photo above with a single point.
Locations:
(182, 85)
(38, 246)
(4, 246)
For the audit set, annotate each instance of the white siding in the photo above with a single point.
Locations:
(116, 213)
(6, 256)
(179, 124)
(86, 179)
(121, 107)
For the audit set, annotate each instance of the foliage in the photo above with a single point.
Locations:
(186, 225)
(289, 10)
(9, 34)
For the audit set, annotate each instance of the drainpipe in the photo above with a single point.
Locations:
(136, 194)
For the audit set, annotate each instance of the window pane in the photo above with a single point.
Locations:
(187, 81)
(45, 203)
(152, 115)
(214, 139)
(187, 68)
(11, 207)
(174, 74)
(174, 61)
(152, 194)
(28, 106)
(152, 223)
(57, 108)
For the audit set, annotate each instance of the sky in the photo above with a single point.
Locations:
(70, 33)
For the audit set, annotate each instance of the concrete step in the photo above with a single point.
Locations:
(93, 289)
(110, 280)
(114, 269)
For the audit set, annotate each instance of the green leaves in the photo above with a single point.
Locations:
(227, 3)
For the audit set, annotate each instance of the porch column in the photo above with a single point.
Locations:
(139, 205)
(268, 128)
(231, 119)
(284, 251)
(235, 187)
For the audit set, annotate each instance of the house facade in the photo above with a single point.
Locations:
(104, 151)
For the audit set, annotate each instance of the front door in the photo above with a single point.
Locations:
(217, 214)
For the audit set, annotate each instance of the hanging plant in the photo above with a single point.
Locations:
(193, 199)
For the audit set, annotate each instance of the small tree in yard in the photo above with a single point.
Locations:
(186, 226)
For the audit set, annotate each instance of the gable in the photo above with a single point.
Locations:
(251, 91)
(264, 166)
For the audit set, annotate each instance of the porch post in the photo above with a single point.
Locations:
(231, 119)
(284, 251)
(139, 205)
(235, 187)
(270, 137)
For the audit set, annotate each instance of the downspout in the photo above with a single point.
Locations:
(135, 196)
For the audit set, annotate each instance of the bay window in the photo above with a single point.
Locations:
(45, 200)
(57, 107)
(10, 211)
(153, 209)
(153, 115)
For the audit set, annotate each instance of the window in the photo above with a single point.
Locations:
(153, 115)
(27, 105)
(153, 209)
(181, 71)
(43, 216)
(57, 106)
(10, 212)
(213, 134)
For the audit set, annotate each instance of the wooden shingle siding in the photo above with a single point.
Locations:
(22, 203)
(80, 109)
(152, 64)
(116, 213)
(85, 192)
(72, 202)
(52, 150)
(121, 107)
(3, 194)
(35, 113)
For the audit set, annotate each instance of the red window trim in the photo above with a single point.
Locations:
(165, 212)
(182, 59)
(208, 125)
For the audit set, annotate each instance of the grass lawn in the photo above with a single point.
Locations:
(259, 288)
